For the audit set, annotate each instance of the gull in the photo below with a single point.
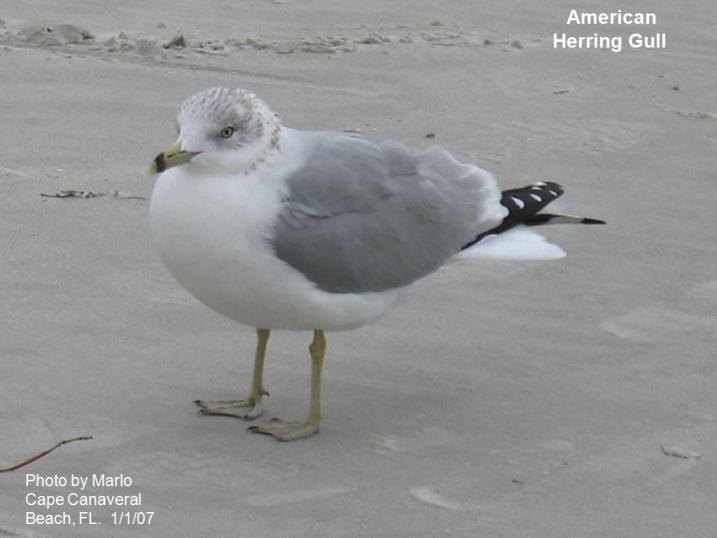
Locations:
(287, 229)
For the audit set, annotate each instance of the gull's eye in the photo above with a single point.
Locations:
(227, 132)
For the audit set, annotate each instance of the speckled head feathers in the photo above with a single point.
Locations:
(222, 105)
(220, 119)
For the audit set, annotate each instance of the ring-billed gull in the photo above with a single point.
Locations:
(279, 228)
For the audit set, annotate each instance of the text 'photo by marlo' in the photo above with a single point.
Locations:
(289, 268)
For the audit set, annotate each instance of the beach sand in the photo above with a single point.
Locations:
(510, 399)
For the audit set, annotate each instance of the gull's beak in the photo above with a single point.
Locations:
(173, 156)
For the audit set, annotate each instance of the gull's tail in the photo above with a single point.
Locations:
(511, 239)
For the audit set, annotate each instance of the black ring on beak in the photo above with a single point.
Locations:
(160, 163)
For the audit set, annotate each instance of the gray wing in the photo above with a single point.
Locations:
(365, 216)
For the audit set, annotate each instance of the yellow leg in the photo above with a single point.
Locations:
(317, 350)
(247, 408)
(257, 382)
(283, 430)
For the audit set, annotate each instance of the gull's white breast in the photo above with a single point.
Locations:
(214, 234)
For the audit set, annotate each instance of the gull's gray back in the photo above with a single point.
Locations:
(367, 216)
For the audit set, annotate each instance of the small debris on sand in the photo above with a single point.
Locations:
(56, 35)
(71, 193)
(44, 453)
(327, 45)
(693, 114)
(147, 47)
(257, 44)
(286, 48)
(177, 42)
(373, 39)
(677, 452)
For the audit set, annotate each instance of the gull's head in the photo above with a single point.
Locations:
(232, 130)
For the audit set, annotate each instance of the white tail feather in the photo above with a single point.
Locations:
(519, 243)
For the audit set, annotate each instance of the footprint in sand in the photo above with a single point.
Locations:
(661, 325)
(432, 497)
(426, 438)
(283, 497)
(706, 291)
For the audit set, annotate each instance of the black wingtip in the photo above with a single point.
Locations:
(524, 205)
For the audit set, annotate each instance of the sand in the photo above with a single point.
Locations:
(573, 398)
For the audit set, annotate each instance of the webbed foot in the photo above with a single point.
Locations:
(246, 409)
(286, 430)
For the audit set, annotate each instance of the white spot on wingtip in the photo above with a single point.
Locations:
(536, 197)
(517, 201)
(540, 183)
(553, 193)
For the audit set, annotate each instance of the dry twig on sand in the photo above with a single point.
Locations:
(42, 454)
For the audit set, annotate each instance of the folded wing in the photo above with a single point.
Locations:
(364, 216)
